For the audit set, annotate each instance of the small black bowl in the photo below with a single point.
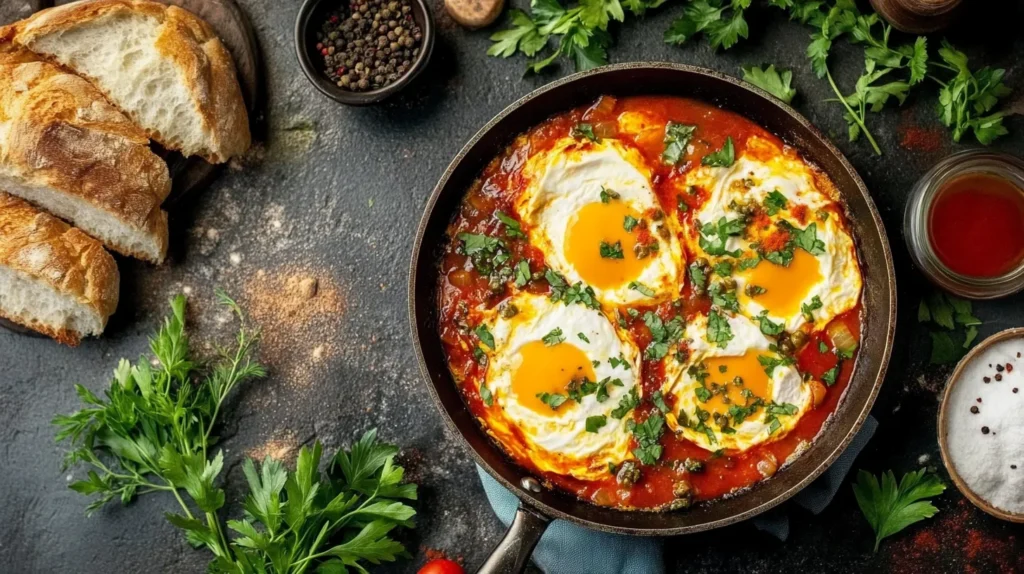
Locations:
(312, 15)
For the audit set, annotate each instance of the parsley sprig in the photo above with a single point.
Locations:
(948, 315)
(153, 433)
(889, 507)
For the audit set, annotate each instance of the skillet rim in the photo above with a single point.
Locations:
(528, 498)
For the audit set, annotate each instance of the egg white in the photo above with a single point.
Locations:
(559, 442)
(787, 386)
(571, 175)
(750, 180)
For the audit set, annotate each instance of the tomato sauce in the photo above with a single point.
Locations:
(976, 225)
(463, 289)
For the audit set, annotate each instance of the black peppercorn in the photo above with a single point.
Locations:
(369, 44)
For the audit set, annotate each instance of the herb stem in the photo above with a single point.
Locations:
(856, 118)
(184, 506)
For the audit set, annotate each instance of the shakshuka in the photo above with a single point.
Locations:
(651, 302)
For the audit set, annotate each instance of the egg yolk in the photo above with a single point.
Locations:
(724, 370)
(603, 223)
(549, 369)
(786, 288)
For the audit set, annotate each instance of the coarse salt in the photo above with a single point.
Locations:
(985, 425)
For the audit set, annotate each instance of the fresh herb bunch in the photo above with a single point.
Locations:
(152, 433)
(966, 97)
(156, 422)
(889, 507)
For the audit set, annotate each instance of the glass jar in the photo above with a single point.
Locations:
(917, 220)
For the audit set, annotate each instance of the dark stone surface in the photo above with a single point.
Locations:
(337, 192)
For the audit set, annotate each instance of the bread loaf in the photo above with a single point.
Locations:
(53, 278)
(162, 65)
(64, 148)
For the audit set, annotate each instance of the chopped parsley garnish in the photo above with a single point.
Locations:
(484, 335)
(640, 287)
(584, 130)
(554, 337)
(647, 435)
(484, 251)
(775, 410)
(769, 363)
(486, 396)
(698, 277)
(822, 347)
(808, 309)
(754, 290)
(630, 222)
(607, 195)
(612, 250)
(628, 402)
(723, 269)
(723, 369)
(774, 202)
(719, 331)
(513, 229)
(659, 401)
(715, 236)
(595, 363)
(522, 273)
(724, 299)
(681, 205)
(807, 239)
(783, 257)
(677, 138)
(749, 262)
(578, 293)
(832, 375)
(703, 394)
(663, 335)
(553, 400)
(583, 338)
(595, 423)
(767, 326)
(721, 158)
(618, 361)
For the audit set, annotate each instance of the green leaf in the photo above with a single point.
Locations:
(889, 508)
(721, 158)
(718, 331)
(832, 375)
(485, 336)
(807, 239)
(677, 138)
(641, 288)
(554, 337)
(726, 33)
(776, 83)
(523, 274)
(595, 423)
(611, 250)
(943, 349)
(371, 544)
(767, 326)
(521, 35)
(774, 202)
(553, 400)
(918, 61)
(583, 130)
(486, 395)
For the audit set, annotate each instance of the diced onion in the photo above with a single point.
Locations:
(842, 338)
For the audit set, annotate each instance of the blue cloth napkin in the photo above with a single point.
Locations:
(567, 549)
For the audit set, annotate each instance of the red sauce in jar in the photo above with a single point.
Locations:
(976, 225)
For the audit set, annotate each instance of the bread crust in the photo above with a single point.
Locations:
(186, 40)
(44, 249)
(58, 131)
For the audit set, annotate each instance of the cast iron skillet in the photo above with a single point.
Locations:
(539, 505)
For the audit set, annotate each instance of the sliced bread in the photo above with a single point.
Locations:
(162, 65)
(53, 278)
(64, 148)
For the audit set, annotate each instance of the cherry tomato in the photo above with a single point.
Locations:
(441, 566)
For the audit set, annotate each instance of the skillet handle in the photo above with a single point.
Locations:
(512, 554)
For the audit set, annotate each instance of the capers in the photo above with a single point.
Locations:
(728, 284)
(799, 339)
(628, 475)
(693, 465)
(786, 347)
(508, 310)
(682, 490)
